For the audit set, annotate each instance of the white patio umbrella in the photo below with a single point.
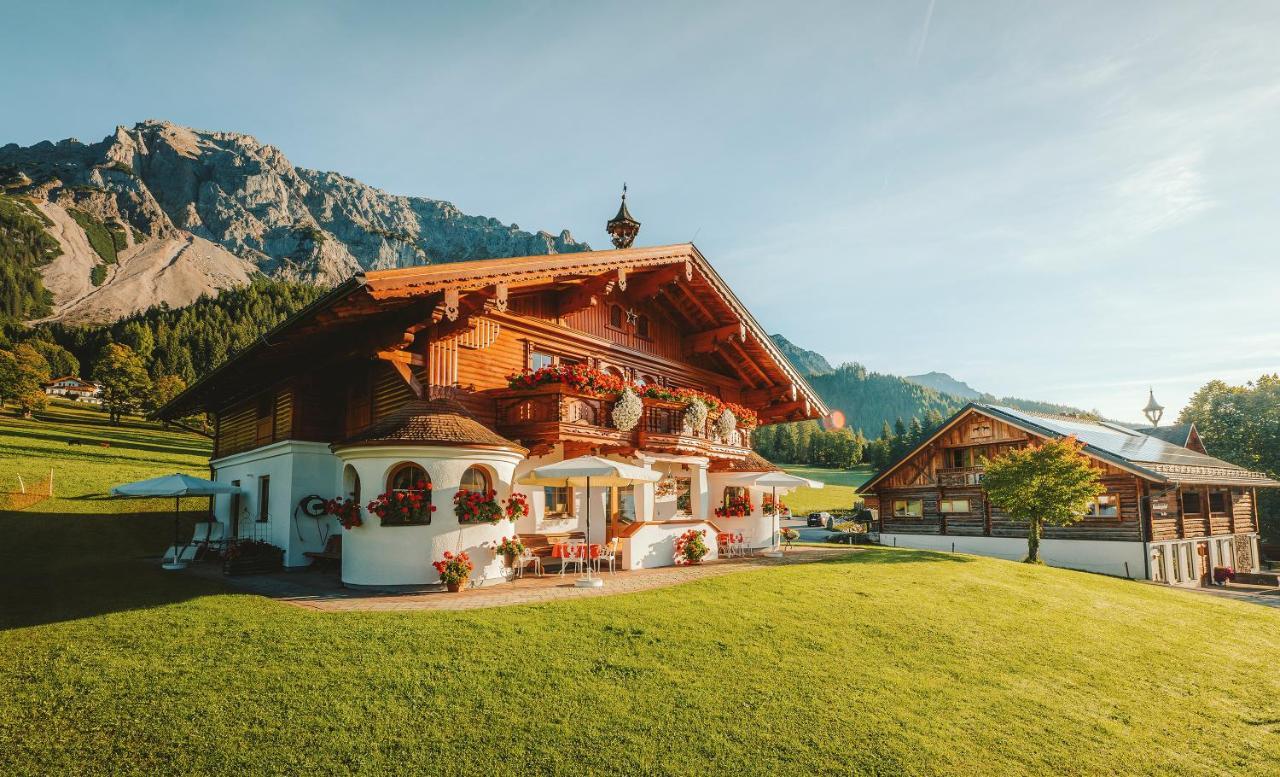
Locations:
(775, 480)
(581, 472)
(176, 486)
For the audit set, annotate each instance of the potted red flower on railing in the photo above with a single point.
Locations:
(1224, 574)
(476, 506)
(408, 507)
(510, 549)
(347, 511)
(517, 506)
(737, 506)
(455, 569)
(691, 546)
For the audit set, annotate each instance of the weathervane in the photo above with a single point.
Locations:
(622, 227)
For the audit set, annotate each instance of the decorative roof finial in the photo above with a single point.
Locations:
(622, 227)
(1154, 411)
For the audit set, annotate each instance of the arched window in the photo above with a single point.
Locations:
(615, 316)
(408, 477)
(351, 483)
(476, 480)
(642, 326)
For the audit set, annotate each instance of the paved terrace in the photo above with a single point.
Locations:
(321, 591)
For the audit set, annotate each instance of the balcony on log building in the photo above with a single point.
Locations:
(556, 413)
(958, 477)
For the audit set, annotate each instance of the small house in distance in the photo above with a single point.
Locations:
(467, 376)
(1171, 512)
(72, 387)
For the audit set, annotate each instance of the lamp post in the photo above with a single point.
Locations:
(1154, 411)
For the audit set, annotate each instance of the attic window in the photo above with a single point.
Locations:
(615, 316)
(642, 326)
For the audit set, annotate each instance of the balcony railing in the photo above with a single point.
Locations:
(558, 413)
(960, 476)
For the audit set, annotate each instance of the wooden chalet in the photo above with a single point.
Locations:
(425, 356)
(1171, 512)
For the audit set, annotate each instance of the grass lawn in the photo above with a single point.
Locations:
(882, 661)
(838, 492)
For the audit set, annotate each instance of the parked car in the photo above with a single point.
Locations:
(818, 519)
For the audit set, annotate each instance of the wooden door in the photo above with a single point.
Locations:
(1202, 562)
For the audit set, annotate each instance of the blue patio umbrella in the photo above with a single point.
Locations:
(174, 486)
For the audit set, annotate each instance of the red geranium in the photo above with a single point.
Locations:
(347, 511)
(476, 506)
(454, 568)
(517, 506)
(400, 507)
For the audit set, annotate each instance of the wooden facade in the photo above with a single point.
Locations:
(936, 489)
(652, 316)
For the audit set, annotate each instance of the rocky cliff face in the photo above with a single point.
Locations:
(194, 211)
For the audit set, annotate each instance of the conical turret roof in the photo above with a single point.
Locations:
(440, 421)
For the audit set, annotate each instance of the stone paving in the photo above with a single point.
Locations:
(1267, 596)
(324, 592)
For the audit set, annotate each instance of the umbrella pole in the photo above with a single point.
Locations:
(774, 551)
(588, 581)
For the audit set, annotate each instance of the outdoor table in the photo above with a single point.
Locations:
(561, 550)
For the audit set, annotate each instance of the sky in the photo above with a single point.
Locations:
(1060, 201)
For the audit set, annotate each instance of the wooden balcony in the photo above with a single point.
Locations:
(959, 477)
(556, 413)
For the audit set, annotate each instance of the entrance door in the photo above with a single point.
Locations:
(1202, 562)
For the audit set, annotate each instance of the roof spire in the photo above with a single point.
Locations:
(1154, 411)
(622, 227)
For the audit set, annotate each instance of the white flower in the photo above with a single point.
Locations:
(695, 416)
(627, 410)
(726, 425)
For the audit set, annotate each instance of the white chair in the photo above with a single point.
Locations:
(738, 547)
(575, 555)
(199, 538)
(528, 557)
(608, 553)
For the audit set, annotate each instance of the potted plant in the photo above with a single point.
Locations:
(788, 536)
(347, 511)
(691, 546)
(252, 557)
(476, 506)
(1222, 575)
(737, 506)
(454, 569)
(517, 506)
(410, 507)
(770, 508)
(510, 549)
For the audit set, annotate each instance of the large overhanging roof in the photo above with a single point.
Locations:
(1147, 457)
(372, 310)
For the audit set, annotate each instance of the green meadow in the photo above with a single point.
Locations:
(876, 662)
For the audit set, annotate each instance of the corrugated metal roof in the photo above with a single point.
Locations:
(1159, 457)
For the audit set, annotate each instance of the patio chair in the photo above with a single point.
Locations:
(528, 557)
(739, 546)
(723, 542)
(608, 553)
(188, 552)
(575, 554)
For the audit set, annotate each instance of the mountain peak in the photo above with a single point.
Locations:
(944, 383)
(162, 213)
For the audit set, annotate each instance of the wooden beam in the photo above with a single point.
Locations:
(401, 366)
(589, 292)
(643, 287)
(707, 341)
(768, 394)
(741, 357)
(787, 409)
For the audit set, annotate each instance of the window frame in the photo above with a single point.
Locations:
(907, 501)
(1094, 510)
(1225, 496)
(687, 511)
(404, 466)
(548, 513)
(1182, 503)
(264, 499)
(943, 503)
(643, 327)
(615, 311)
(485, 478)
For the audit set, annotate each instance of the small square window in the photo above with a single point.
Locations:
(908, 508)
(954, 506)
(1218, 502)
(538, 360)
(557, 501)
(1191, 502)
(1105, 506)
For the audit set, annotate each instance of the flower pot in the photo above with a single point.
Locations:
(454, 587)
(509, 559)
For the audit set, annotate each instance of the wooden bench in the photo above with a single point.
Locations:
(330, 557)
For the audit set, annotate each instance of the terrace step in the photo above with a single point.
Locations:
(1259, 578)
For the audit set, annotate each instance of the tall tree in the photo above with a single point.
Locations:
(61, 361)
(1241, 424)
(1045, 485)
(124, 379)
(23, 373)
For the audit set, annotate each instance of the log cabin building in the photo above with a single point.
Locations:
(410, 375)
(1171, 512)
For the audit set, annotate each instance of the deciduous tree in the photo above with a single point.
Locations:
(124, 379)
(1045, 485)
